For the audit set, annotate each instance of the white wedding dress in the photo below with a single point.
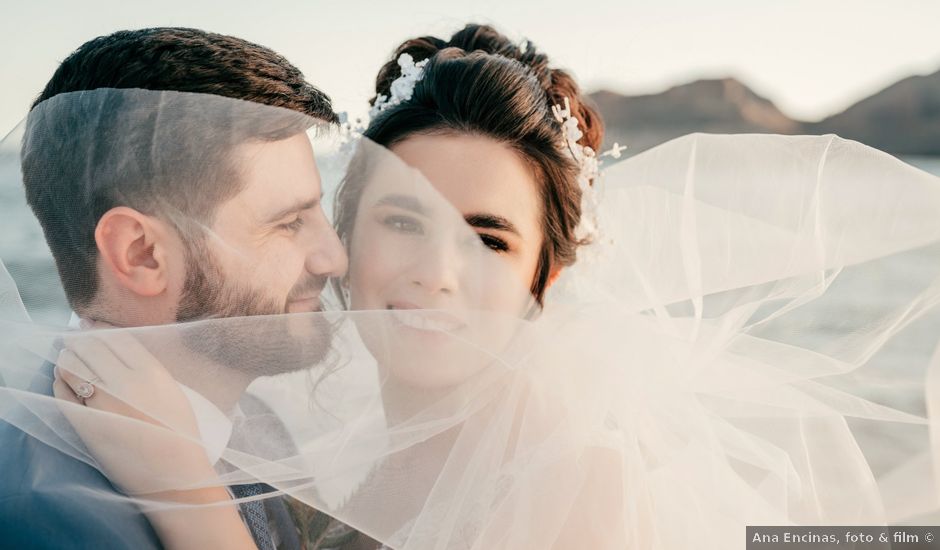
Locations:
(713, 360)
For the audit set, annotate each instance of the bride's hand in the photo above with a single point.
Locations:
(143, 434)
(140, 428)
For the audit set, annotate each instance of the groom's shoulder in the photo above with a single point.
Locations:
(15, 452)
(49, 499)
(31, 466)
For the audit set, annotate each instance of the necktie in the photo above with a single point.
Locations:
(253, 512)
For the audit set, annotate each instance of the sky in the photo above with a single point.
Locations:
(811, 57)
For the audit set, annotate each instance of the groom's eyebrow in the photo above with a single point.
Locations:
(292, 209)
(405, 202)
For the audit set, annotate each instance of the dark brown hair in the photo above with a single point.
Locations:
(480, 82)
(73, 173)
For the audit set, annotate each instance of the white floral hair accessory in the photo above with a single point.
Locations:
(588, 163)
(403, 87)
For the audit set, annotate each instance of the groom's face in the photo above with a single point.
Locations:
(270, 249)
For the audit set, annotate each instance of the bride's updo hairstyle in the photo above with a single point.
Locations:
(481, 83)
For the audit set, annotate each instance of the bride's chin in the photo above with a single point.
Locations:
(428, 349)
(420, 361)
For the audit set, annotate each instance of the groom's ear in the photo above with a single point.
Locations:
(132, 248)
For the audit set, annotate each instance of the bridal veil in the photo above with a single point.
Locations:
(746, 340)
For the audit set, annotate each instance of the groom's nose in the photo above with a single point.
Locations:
(327, 257)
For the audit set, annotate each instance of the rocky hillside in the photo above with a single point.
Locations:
(902, 119)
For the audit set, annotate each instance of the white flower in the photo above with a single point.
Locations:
(588, 165)
(561, 115)
(614, 151)
(572, 131)
(403, 87)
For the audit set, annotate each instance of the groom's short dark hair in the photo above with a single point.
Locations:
(167, 60)
(188, 60)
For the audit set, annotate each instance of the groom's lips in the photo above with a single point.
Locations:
(304, 305)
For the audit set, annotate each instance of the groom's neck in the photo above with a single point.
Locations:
(221, 385)
(224, 394)
(120, 307)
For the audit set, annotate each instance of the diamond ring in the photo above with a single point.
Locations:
(85, 390)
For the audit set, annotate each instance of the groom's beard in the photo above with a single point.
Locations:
(259, 340)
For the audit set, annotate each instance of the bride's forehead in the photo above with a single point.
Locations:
(460, 155)
(473, 173)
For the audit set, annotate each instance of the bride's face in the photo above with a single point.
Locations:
(410, 250)
(468, 242)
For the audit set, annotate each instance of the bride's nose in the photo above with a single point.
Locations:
(437, 269)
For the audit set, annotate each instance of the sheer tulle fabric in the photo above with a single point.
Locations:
(708, 363)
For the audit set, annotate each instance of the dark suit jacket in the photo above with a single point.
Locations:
(49, 500)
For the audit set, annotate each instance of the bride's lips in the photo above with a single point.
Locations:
(417, 318)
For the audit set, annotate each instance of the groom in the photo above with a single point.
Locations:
(135, 190)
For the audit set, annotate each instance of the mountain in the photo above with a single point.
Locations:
(717, 106)
(902, 119)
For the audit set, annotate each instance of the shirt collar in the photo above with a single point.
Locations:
(215, 427)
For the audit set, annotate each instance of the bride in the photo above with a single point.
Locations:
(537, 354)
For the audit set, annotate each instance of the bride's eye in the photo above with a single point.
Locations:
(494, 243)
(404, 224)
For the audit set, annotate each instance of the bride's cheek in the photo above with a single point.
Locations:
(374, 266)
(505, 285)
